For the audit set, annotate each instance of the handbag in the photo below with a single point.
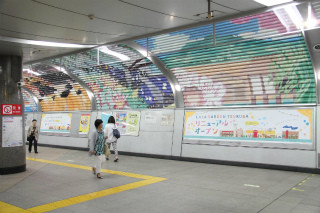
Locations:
(107, 151)
(29, 138)
(116, 133)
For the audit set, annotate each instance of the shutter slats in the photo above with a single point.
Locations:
(133, 82)
(256, 59)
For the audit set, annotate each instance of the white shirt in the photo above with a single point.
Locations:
(108, 131)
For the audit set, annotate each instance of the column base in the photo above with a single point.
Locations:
(12, 170)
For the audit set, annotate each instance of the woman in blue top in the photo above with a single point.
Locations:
(97, 147)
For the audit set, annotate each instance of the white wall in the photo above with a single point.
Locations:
(165, 139)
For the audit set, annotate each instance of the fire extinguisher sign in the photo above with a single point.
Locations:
(11, 109)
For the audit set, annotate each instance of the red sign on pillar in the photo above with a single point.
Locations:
(11, 109)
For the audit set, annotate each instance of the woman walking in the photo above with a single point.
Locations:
(33, 135)
(108, 131)
(97, 147)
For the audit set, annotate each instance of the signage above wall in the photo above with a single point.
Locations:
(11, 109)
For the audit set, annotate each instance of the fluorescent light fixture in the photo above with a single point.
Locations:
(272, 2)
(144, 53)
(311, 21)
(60, 69)
(177, 87)
(44, 43)
(105, 49)
(30, 71)
(294, 15)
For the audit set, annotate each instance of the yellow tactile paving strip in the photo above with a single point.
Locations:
(146, 180)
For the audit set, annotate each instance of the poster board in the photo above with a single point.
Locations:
(84, 123)
(12, 131)
(262, 125)
(58, 123)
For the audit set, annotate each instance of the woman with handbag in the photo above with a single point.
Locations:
(33, 135)
(97, 147)
(111, 139)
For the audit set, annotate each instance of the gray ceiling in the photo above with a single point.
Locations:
(67, 21)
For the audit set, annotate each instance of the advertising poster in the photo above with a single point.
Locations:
(133, 123)
(84, 124)
(12, 131)
(60, 123)
(121, 122)
(285, 125)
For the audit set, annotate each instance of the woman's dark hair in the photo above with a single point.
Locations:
(111, 120)
(97, 123)
(34, 120)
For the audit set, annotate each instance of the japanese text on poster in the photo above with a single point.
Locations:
(287, 125)
(56, 123)
(12, 131)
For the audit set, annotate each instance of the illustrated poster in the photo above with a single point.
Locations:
(84, 124)
(285, 125)
(121, 122)
(56, 123)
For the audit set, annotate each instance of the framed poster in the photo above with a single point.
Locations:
(272, 125)
(84, 123)
(121, 121)
(60, 123)
(12, 131)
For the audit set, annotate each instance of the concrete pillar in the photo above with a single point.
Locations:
(12, 159)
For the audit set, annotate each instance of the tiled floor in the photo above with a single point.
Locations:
(189, 187)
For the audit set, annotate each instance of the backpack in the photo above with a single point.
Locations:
(116, 133)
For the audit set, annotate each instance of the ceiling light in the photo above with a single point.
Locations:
(30, 71)
(311, 21)
(177, 87)
(44, 43)
(295, 16)
(105, 49)
(272, 2)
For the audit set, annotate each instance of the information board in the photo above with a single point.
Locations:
(12, 131)
(285, 125)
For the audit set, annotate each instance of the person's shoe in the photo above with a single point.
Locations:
(107, 158)
(99, 176)
(94, 170)
(29, 151)
(116, 160)
(36, 152)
